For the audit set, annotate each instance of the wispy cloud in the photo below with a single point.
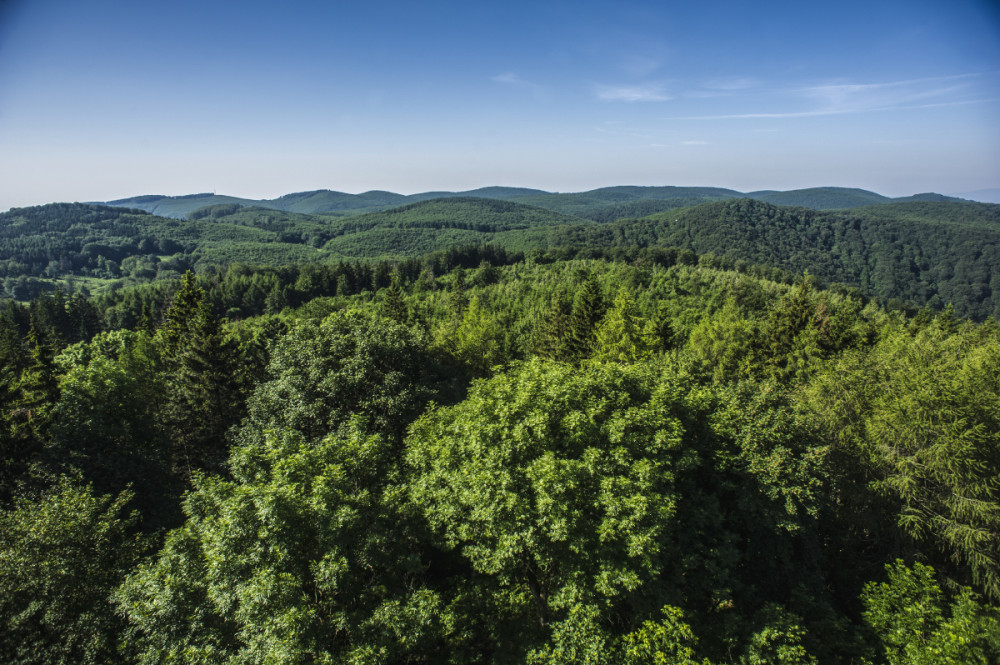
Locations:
(695, 143)
(649, 92)
(854, 97)
(510, 78)
(851, 98)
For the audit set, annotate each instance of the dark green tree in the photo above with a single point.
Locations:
(553, 332)
(202, 399)
(351, 364)
(393, 305)
(588, 309)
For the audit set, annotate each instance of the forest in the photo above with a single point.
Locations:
(907, 254)
(611, 451)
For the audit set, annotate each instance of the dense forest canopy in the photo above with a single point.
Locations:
(484, 455)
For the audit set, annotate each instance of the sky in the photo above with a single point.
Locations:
(102, 100)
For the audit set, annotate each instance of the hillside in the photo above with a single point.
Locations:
(95, 246)
(318, 201)
(922, 252)
(821, 198)
(437, 224)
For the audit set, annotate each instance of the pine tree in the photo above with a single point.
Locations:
(37, 389)
(393, 306)
(588, 309)
(622, 335)
(203, 400)
(552, 340)
(26, 407)
(184, 307)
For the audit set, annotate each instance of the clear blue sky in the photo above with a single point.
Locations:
(102, 100)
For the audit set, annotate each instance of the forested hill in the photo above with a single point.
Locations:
(922, 252)
(437, 224)
(925, 252)
(604, 204)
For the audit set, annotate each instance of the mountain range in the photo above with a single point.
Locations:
(604, 204)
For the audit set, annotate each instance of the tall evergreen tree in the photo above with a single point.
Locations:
(622, 335)
(553, 336)
(588, 309)
(393, 306)
(203, 400)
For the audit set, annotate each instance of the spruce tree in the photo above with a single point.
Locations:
(27, 405)
(203, 400)
(393, 306)
(552, 340)
(588, 309)
(623, 336)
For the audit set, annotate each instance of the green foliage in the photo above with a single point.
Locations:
(579, 638)
(106, 424)
(588, 309)
(917, 626)
(921, 412)
(60, 559)
(480, 340)
(622, 335)
(668, 641)
(558, 481)
(712, 467)
(927, 250)
(307, 555)
(552, 336)
(778, 641)
(350, 365)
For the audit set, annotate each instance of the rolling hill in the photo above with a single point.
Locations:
(932, 253)
(929, 250)
(604, 204)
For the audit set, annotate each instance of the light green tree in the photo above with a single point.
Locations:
(623, 336)
(556, 483)
(918, 626)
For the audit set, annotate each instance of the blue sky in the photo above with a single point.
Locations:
(102, 100)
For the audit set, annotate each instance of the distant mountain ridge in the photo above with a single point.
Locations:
(603, 204)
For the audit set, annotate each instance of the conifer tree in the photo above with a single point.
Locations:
(552, 340)
(203, 400)
(393, 306)
(37, 389)
(588, 308)
(457, 298)
(184, 307)
(622, 335)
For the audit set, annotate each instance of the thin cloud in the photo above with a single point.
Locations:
(816, 114)
(640, 66)
(510, 78)
(632, 93)
(853, 98)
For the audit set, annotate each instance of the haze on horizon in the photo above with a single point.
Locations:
(102, 100)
